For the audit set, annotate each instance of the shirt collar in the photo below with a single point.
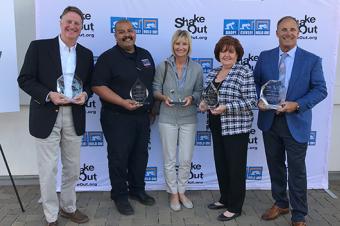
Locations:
(290, 53)
(63, 46)
(172, 60)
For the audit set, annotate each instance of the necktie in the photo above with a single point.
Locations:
(282, 73)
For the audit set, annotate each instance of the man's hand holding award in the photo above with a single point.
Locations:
(273, 94)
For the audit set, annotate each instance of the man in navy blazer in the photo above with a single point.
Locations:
(54, 120)
(286, 130)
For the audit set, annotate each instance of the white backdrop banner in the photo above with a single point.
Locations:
(253, 22)
(9, 91)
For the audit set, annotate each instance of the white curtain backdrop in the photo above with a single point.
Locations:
(253, 22)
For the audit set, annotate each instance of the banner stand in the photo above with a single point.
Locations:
(10, 175)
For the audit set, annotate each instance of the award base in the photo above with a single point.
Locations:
(177, 102)
(270, 106)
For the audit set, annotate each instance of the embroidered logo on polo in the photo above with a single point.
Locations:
(146, 62)
(144, 26)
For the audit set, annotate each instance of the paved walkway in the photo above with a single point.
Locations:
(324, 210)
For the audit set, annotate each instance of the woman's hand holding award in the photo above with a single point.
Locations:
(210, 96)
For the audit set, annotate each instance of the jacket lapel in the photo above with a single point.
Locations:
(274, 56)
(296, 70)
(55, 56)
(78, 61)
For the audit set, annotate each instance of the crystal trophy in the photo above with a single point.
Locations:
(175, 98)
(210, 96)
(69, 85)
(273, 94)
(139, 92)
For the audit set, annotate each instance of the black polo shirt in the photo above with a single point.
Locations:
(119, 70)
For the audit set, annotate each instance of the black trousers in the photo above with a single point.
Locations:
(127, 137)
(230, 154)
(278, 143)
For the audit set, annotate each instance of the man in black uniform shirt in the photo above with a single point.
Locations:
(124, 122)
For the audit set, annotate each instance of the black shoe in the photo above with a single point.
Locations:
(213, 206)
(222, 217)
(124, 207)
(143, 198)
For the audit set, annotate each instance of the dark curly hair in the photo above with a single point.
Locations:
(225, 43)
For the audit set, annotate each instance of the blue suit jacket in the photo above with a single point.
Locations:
(307, 87)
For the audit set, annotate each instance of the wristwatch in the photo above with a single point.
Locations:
(297, 107)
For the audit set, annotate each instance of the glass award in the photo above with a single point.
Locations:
(273, 94)
(210, 96)
(69, 85)
(139, 92)
(176, 99)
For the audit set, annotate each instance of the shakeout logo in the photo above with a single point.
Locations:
(195, 25)
(249, 60)
(88, 176)
(312, 138)
(206, 63)
(196, 174)
(151, 174)
(88, 27)
(203, 138)
(246, 27)
(308, 28)
(92, 139)
(91, 106)
(144, 26)
(254, 172)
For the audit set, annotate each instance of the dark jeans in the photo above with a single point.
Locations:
(278, 143)
(127, 137)
(230, 154)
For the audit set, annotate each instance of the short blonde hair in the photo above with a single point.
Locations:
(181, 34)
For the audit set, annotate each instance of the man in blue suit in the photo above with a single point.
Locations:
(286, 130)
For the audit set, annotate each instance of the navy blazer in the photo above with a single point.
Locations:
(38, 76)
(307, 87)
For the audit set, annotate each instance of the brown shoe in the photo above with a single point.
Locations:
(77, 216)
(299, 223)
(55, 223)
(274, 212)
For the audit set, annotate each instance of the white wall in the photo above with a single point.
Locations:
(334, 155)
(19, 145)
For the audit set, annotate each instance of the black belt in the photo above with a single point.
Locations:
(66, 105)
(281, 114)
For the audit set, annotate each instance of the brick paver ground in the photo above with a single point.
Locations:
(323, 209)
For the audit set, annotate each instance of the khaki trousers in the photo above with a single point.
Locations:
(64, 140)
(184, 136)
